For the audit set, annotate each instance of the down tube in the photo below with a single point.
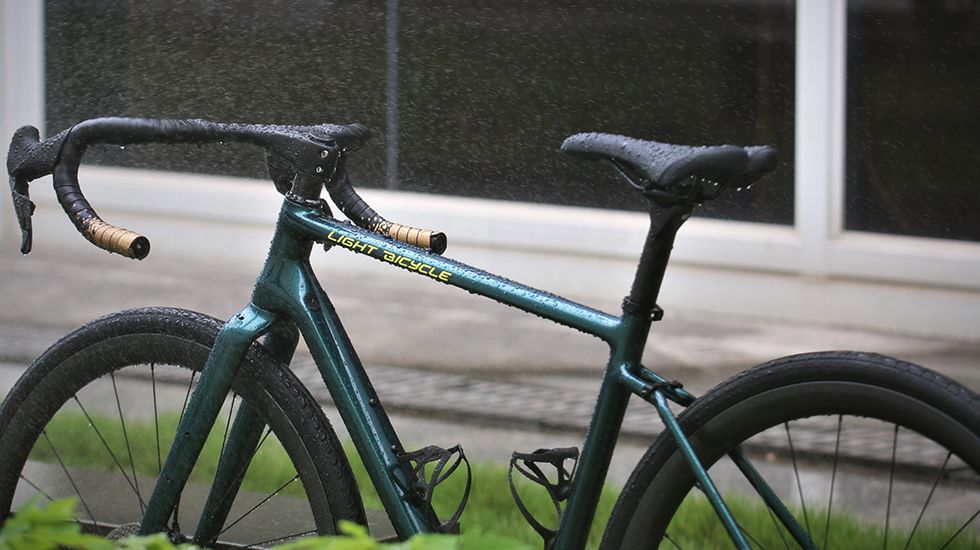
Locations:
(444, 270)
(297, 290)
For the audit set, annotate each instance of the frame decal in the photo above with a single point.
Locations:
(388, 256)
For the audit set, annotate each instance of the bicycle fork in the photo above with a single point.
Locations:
(202, 410)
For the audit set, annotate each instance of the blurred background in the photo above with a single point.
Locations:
(869, 221)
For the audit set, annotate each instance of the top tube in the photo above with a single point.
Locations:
(322, 228)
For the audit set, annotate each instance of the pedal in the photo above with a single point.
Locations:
(559, 490)
(446, 462)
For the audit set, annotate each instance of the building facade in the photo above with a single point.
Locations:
(869, 221)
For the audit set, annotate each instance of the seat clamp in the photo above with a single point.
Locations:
(654, 312)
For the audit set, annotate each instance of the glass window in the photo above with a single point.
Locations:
(486, 91)
(913, 118)
(284, 61)
(490, 89)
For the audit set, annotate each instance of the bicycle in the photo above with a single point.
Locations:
(153, 346)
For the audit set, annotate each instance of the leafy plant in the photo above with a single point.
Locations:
(50, 527)
(357, 538)
(55, 526)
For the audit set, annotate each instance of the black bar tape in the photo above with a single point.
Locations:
(29, 159)
(104, 235)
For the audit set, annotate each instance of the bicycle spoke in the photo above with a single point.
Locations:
(36, 488)
(739, 525)
(891, 483)
(129, 450)
(753, 539)
(280, 539)
(175, 524)
(961, 529)
(47, 496)
(773, 504)
(796, 472)
(122, 469)
(833, 478)
(932, 490)
(263, 501)
(670, 540)
(156, 417)
(231, 413)
(70, 479)
(779, 531)
(244, 470)
(187, 396)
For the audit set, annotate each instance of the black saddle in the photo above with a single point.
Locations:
(663, 167)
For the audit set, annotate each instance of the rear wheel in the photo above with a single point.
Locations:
(94, 416)
(865, 451)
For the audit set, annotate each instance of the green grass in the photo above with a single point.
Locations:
(490, 508)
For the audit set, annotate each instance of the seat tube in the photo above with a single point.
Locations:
(627, 351)
(664, 224)
(600, 439)
(219, 371)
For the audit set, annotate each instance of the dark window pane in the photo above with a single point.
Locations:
(294, 62)
(486, 91)
(913, 118)
(490, 89)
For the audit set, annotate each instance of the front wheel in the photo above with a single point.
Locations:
(93, 419)
(865, 451)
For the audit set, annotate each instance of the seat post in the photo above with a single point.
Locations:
(664, 223)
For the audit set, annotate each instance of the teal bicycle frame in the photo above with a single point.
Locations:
(288, 296)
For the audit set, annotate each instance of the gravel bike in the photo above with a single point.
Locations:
(846, 422)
